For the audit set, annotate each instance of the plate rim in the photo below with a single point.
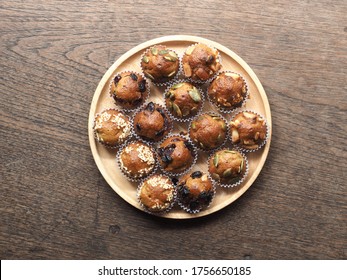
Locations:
(180, 38)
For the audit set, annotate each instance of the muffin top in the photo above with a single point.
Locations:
(248, 130)
(183, 100)
(129, 90)
(160, 64)
(228, 90)
(227, 166)
(152, 123)
(176, 154)
(137, 160)
(195, 191)
(157, 193)
(111, 127)
(200, 62)
(208, 131)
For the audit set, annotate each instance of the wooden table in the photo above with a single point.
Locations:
(55, 204)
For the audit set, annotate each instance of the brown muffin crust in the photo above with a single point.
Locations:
(228, 90)
(227, 166)
(175, 154)
(195, 191)
(111, 127)
(152, 123)
(160, 64)
(157, 193)
(248, 130)
(137, 160)
(183, 100)
(129, 89)
(208, 131)
(200, 62)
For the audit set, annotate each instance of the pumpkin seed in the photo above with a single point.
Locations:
(145, 59)
(194, 94)
(241, 166)
(171, 74)
(172, 96)
(176, 86)
(185, 111)
(215, 176)
(216, 160)
(201, 145)
(190, 50)
(193, 125)
(168, 94)
(177, 110)
(154, 51)
(233, 180)
(173, 54)
(169, 58)
(227, 173)
(169, 105)
(229, 152)
(149, 76)
(163, 52)
(219, 138)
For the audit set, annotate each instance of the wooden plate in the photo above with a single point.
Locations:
(105, 158)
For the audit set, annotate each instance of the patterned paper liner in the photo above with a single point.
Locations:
(221, 108)
(179, 71)
(146, 209)
(241, 179)
(189, 118)
(128, 176)
(147, 140)
(239, 146)
(226, 132)
(194, 211)
(146, 96)
(122, 140)
(213, 76)
(194, 154)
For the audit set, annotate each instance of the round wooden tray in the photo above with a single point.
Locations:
(105, 158)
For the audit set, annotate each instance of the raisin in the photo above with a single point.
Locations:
(174, 181)
(160, 133)
(142, 86)
(184, 191)
(188, 145)
(205, 197)
(117, 79)
(138, 126)
(196, 174)
(137, 101)
(150, 107)
(210, 59)
(133, 76)
(194, 205)
(166, 158)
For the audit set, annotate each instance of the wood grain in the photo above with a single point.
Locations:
(55, 203)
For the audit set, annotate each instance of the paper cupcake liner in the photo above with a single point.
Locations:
(194, 154)
(221, 108)
(171, 78)
(122, 141)
(144, 139)
(239, 146)
(213, 76)
(194, 211)
(128, 176)
(148, 90)
(146, 209)
(185, 119)
(226, 132)
(241, 179)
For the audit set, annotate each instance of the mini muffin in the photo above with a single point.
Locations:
(227, 166)
(111, 127)
(152, 123)
(136, 160)
(183, 100)
(195, 191)
(208, 131)
(157, 193)
(160, 64)
(248, 130)
(228, 90)
(200, 62)
(129, 90)
(176, 154)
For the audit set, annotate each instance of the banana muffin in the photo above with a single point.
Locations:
(248, 130)
(183, 100)
(160, 64)
(152, 123)
(200, 62)
(136, 160)
(228, 90)
(111, 127)
(195, 191)
(208, 131)
(157, 193)
(227, 166)
(129, 90)
(176, 154)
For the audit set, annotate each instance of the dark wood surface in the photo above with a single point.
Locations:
(56, 205)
